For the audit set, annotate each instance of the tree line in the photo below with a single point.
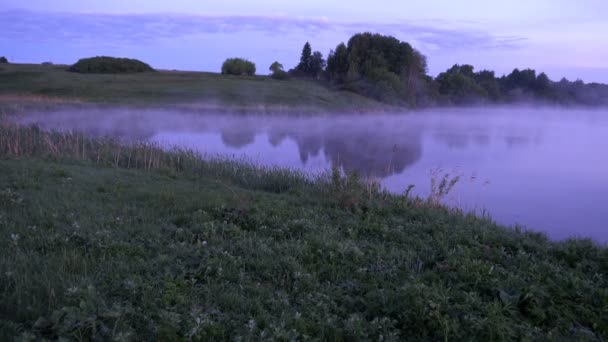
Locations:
(392, 71)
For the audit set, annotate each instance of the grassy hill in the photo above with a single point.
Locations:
(33, 82)
(100, 241)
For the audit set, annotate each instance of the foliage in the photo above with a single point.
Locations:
(311, 63)
(280, 75)
(100, 248)
(391, 71)
(337, 64)
(526, 84)
(109, 65)
(275, 67)
(378, 66)
(3, 60)
(278, 72)
(459, 84)
(238, 66)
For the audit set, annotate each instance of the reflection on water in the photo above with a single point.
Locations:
(544, 169)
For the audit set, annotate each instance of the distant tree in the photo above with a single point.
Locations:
(3, 60)
(487, 80)
(337, 64)
(542, 86)
(311, 63)
(384, 68)
(520, 79)
(459, 84)
(465, 70)
(378, 66)
(275, 67)
(317, 64)
(277, 71)
(305, 59)
(238, 66)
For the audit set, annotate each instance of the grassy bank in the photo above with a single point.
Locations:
(206, 90)
(99, 240)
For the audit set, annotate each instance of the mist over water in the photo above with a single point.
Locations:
(543, 169)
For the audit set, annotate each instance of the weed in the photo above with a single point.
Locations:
(442, 184)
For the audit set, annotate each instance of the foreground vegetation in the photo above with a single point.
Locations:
(104, 241)
(28, 84)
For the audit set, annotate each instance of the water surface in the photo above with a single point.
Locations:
(542, 169)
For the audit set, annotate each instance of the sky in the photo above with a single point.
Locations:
(564, 38)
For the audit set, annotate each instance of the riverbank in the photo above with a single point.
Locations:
(29, 84)
(110, 241)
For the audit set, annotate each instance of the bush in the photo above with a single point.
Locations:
(238, 66)
(110, 65)
(3, 60)
(280, 75)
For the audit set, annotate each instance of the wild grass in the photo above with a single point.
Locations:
(31, 141)
(198, 89)
(104, 241)
(442, 183)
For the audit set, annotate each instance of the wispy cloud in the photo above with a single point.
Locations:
(147, 28)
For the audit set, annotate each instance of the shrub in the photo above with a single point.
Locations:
(3, 60)
(110, 65)
(280, 75)
(238, 66)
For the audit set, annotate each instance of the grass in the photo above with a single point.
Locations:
(100, 241)
(204, 90)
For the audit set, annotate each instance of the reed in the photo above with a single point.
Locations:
(31, 141)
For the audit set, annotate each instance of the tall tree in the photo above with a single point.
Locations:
(305, 59)
(337, 64)
(317, 64)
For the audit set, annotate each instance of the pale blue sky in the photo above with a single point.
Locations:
(563, 38)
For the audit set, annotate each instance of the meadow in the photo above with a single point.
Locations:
(105, 241)
(28, 83)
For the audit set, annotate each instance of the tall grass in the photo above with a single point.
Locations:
(18, 141)
(32, 141)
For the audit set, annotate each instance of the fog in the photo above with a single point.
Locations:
(542, 168)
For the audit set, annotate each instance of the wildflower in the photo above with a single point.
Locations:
(72, 290)
(15, 239)
(129, 284)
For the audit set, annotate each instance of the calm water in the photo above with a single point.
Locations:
(542, 169)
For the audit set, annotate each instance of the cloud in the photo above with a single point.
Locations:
(116, 29)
